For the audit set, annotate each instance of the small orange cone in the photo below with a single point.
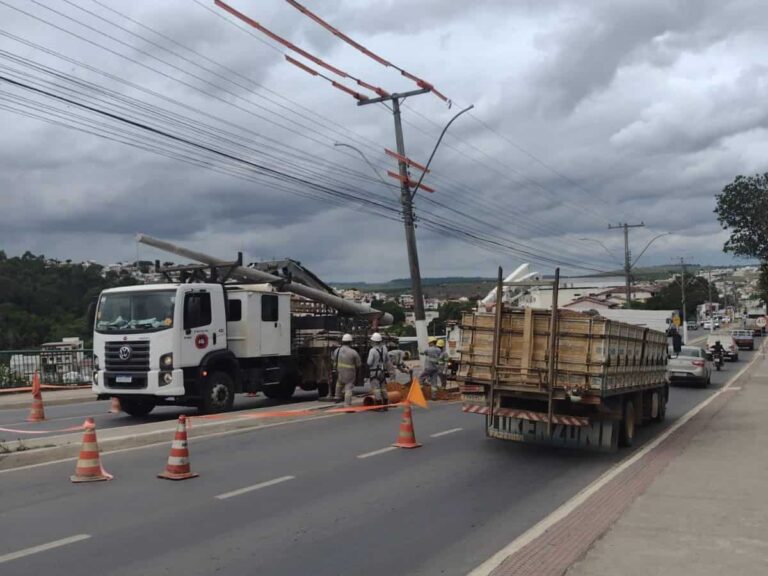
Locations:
(406, 437)
(88, 468)
(177, 467)
(37, 412)
(115, 408)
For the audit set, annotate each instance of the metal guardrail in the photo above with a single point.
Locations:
(56, 367)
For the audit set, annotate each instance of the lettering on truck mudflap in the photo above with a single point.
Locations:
(567, 431)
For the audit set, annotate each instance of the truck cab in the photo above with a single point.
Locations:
(190, 344)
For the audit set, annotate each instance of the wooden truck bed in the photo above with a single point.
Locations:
(594, 355)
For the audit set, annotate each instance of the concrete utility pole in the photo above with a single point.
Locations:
(627, 258)
(406, 199)
(682, 288)
(711, 315)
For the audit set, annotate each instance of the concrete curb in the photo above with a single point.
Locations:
(67, 446)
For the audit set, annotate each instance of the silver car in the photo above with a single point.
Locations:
(690, 365)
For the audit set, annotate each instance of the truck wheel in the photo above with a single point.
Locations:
(659, 396)
(627, 430)
(136, 407)
(322, 389)
(282, 391)
(218, 393)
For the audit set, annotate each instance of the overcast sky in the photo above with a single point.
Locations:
(586, 114)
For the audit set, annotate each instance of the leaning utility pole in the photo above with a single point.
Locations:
(682, 289)
(627, 258)
(406, 199)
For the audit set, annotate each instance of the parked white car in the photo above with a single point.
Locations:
(690, 365)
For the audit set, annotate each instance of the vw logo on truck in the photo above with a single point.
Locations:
(124, 352)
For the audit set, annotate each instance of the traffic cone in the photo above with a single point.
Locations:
(177, 467)
(88, 468)
(37, 412)
(115, 408)
(406, 437)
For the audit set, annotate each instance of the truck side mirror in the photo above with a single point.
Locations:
(91, 314)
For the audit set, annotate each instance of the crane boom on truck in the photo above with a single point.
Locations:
(200, 343)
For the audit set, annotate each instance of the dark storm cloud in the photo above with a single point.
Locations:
(634, 110)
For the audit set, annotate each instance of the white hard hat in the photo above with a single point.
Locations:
(346, 338)
(375, 337)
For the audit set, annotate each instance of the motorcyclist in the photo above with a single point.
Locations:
(718, 349)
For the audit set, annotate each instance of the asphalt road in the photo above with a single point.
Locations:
(322, 498)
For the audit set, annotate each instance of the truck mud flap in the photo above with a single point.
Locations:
(597, 436)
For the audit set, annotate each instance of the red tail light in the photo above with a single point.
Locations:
(699, 363)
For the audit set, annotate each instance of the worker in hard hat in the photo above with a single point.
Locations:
(378, 370)
(431, 374)
(345, 362)
(398, 359)
(442, 363)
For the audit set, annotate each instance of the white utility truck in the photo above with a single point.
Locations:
(200, 343)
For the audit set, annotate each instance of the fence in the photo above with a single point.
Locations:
(56, 367)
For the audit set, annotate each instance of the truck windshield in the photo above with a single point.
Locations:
(135, 311)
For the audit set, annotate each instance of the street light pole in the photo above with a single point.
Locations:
(627, 258)
(406, 200)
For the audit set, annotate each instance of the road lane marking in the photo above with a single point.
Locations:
(254, 487)
(43, 547)
(377, 452)
(565, 509)
(445, 432)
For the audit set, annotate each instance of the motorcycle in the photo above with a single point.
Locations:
(717, 357)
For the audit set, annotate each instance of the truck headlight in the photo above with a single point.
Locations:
(166, 361)
(95, 362)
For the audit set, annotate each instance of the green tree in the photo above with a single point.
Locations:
(451, 310)
(742, 208)
(670, 297)
(397, 311)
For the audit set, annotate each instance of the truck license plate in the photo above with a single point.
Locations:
(124, 379)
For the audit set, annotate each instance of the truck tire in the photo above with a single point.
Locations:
(322, 389)
(137, 407)
(661, 410)
(282, 391)
(218, 393)
(628, 425)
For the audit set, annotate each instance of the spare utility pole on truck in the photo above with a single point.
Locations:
(561, 377)
(200, 340)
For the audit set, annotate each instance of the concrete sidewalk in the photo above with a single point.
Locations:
(56, 397)
(707, 511)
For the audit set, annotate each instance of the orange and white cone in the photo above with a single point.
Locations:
(37, 412)
(406, 437)
(115, 408)
(88, 468)
(177, 467)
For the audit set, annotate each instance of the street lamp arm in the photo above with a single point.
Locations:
(652, 240)
(364, 157)
(431, 156)
(604, 247)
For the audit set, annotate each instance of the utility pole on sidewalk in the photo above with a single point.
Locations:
(627, 258)
(406, 199)
(682, 288)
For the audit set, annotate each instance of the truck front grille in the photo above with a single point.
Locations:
(126, 356)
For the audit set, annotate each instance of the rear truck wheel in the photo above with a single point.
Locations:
(218, 393)
(282, 391)
(136, 406)
(627, 430)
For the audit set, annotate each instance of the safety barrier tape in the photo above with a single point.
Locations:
(22, 389)
(70, 429)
